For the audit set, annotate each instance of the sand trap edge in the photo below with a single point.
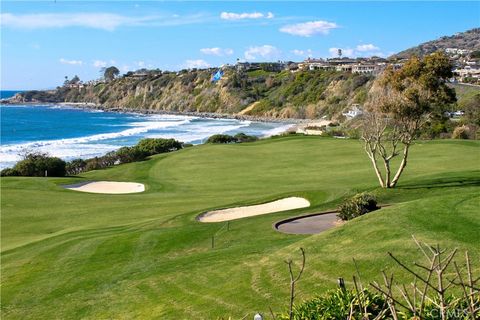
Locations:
(234, 213)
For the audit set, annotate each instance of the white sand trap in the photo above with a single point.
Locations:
(109, 187)
(250, 211)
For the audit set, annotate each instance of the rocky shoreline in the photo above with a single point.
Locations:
(210, 115)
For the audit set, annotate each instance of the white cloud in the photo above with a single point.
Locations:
(308, 29)
(346, 52)
(99, 63)
(199, 63)
(217, 51)
(94, 20)
(303, 53)
(140, 64)
(265, 51)
(245, 15)
(71, 62)
(367, 47)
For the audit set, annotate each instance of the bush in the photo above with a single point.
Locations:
(221, 138)
(153, 146)
(359, 205)
(93, 164)
(338, 304)
(38, 164)
(9, 172)
(75, 166)
(130, 154)
(242, 137)
(461, 132)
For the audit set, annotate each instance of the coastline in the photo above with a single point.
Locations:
(282, 125)
(207, 115)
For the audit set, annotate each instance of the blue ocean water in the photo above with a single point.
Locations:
(71, 132)
(4, 94)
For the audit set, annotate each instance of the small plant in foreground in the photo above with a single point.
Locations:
(340, 304)
(431, 295)
(359, 205)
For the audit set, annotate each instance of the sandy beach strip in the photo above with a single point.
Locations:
(107, 187)
(255, 210)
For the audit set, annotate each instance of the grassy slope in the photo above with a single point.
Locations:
(75, 255)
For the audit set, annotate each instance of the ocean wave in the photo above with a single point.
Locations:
(59, 147)
(277, 130)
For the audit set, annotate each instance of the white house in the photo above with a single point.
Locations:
(354, 112)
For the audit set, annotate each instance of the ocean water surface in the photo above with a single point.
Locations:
(70, 132)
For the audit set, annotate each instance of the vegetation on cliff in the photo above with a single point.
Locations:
(303, 94)
(469, 40)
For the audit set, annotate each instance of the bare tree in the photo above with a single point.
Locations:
(293, 280)
(399, 103)
(436, 276)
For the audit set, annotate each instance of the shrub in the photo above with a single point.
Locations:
(93, 164)
(339, 304)
(36, 164)
(75, 166)
(242, 137)
(461, 132)
(153, 146)
(130, 154)
(221, 138)
(9, 172)
(359, 205)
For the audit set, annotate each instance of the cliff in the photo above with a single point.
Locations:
(259, 93)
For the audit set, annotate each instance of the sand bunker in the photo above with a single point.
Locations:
(249, 211)
(110, 187)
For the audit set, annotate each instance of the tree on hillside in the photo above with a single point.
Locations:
(110, 73)
(399, 103)
(75, 80)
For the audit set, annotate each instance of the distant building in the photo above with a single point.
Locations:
(468, 71)
(355, 111)
(455, 51)
(267, 66)
(366, 68)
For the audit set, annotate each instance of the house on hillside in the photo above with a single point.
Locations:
(355, 111)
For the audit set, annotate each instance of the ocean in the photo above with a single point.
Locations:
(69, 132)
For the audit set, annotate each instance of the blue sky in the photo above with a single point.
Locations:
(42, 42)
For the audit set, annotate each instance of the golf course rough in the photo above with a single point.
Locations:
(77, 255)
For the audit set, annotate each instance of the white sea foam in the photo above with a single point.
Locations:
(277, 130)
(183, 128)
(82, 146)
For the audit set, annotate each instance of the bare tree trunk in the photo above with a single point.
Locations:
(403, 164)
(387, 173)
(371, 155)
(377, 171)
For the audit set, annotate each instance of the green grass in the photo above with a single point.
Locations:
(68, 255)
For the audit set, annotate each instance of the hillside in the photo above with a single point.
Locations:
(469, 40)
(257, 93)
(71, 255)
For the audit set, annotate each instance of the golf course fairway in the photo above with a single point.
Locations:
(68, 254)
